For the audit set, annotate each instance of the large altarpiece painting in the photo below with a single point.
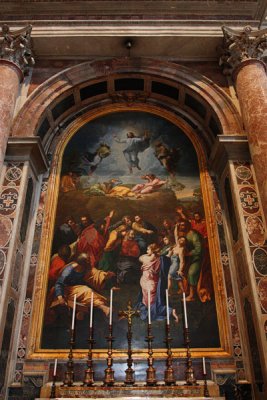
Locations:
(128, 209)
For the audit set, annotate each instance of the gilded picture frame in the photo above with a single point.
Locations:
(36, 348)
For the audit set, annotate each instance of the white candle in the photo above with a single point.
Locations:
(204, 365)
(91, 309)
(73, 312)
(167, 307)
(110, 306)
(185, 313)
(55, 368)
(149, 308)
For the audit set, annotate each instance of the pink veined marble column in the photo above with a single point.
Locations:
(10, 76)
(241, 54)
(15, 57)
(251, 88)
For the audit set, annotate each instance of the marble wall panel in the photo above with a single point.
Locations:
(255, 357)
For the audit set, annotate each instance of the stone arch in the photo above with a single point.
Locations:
(70, 93)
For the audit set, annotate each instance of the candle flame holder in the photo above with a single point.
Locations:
(89, 372)
(109, 372)
(168, 374)
(189, 372)
(151, 371)
(69, 374)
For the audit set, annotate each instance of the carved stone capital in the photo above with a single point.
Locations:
(16, 47)
(240, 46)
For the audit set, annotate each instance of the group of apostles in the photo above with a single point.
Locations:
(89, 256)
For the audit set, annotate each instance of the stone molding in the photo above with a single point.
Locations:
(63, 84)
(227, 148)
(27, 149)
(241, 46)
(16, 47)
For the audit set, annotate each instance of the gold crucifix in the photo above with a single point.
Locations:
(129, 313)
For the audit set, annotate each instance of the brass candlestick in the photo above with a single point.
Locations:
(168, 374)
(109, 373)
(69, 374)
(53, 388)
(89, 372)
(206, 390)
(129, 313)
(151, 371)
(189, 372)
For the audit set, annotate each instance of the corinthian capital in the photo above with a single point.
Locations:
(239, 46)
(16, 47)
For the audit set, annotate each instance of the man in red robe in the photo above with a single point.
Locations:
(92, 240)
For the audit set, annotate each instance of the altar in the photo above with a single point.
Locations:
(140, 390)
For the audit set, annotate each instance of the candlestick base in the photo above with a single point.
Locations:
(109, 377)
(53, 388)
(69, 374)
(69, 378)
(88, 377)
(89, 372)
(206, 390)
(168, 373)
(190, 377)
(151, 371)
(151, 376)
(169, 377)
(109, 373)
(189, 372)
(129, 377)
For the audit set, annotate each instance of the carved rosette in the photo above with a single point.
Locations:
(240, 46)
(16, 47)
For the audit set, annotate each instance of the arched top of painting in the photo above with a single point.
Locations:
(133, 145)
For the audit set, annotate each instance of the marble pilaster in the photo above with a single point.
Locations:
(246, 250)
(20, 182)
(243, 57)
(15, 59)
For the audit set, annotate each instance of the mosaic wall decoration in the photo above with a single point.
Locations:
(255, 229)
(8, 204)
(226, 263)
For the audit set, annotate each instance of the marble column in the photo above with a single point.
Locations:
(242, 56)
(15, 59)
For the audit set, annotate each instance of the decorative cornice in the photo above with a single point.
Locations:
(16, 47)
(27, 149)
(240, 46)
(228, 148)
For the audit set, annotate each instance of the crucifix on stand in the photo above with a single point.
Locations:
(129, 314)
